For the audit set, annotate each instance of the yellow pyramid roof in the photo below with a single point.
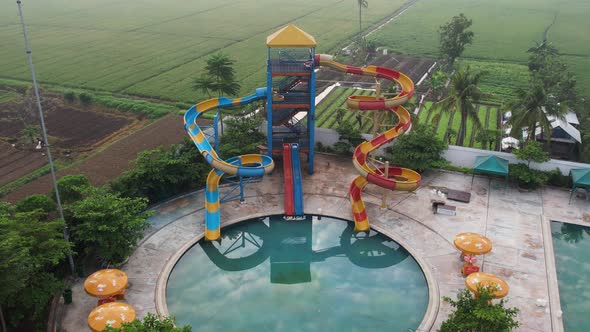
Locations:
(290, 36)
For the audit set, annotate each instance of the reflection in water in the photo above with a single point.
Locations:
(281, 275)
(571, 245)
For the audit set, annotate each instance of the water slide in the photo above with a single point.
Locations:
(288, 178)
(398, 178)
(297, 179)
(293, 180)
(249, 165)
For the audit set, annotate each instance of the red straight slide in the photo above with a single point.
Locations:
(288, 174)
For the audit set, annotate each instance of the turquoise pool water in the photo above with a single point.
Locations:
(268, 274)
(571, 245)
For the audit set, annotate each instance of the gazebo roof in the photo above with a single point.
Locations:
(491, 165)
(581, 177)
(290, 36)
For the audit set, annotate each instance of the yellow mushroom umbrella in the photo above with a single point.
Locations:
(472, 244)
(111, 314)
(105, 283)
(486, 280)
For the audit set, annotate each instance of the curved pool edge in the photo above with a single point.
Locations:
(433, 290)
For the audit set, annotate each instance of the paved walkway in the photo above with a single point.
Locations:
(511, 219)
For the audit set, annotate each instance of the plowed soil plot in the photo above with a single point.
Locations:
(116, 158)
(69, 128)
(16, 163)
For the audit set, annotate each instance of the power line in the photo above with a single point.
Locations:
(44, 130)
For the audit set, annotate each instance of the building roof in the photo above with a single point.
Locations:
(290, 36)
(572, 118)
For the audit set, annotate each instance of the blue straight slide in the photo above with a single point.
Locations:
(297, 181)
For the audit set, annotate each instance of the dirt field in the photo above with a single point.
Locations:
(16, 163)
(68, 127)
(115, 159)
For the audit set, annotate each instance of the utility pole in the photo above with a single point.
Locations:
(42, 119)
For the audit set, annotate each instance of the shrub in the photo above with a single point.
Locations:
(557, 179)
(85, 98)
(479, 314)
(36, 202)
(526, 177)
(419, 150)
(69, 96)
(151, 323)
(71, 188)
(522, 173)
(159, 173)
(349, 138)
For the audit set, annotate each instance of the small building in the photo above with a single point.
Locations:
(565, 135)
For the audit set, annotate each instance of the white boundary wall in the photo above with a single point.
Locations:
(461, 156)
(457, 155)
(465, 157)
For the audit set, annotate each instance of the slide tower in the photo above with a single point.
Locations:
(290, 118)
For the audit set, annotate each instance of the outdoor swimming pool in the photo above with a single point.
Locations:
(572, 259)
(268, 274)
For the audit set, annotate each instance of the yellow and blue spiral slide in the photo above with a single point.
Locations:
(248, 165)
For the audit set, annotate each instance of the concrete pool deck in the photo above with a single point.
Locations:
(513, 220)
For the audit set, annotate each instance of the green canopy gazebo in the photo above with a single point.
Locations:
(580, 179)
(490, 165)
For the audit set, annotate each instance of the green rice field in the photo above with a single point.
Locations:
(504, 30)
(156, 48)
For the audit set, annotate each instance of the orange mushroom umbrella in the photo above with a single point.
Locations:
(473, 243)
(110, 314)
(105, 283)
(486, 280)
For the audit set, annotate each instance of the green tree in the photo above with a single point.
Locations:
(546, 67)
(464, 94)
(242, 136)
(36, 202)
(454, 36)
(151, 323)
(107, 224)
(220, 69)
(71, 188)
(437, 83)
(479, 314)
(419, 150)
(532, 151)
(162, 173)
(522, 173)
(30, 250)
(531, 109)
(205, 84)
(362, 4)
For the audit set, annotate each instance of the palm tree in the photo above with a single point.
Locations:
(464, 94)
(220, 68)
(531, 109)
(204, 83)
(362, 4)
